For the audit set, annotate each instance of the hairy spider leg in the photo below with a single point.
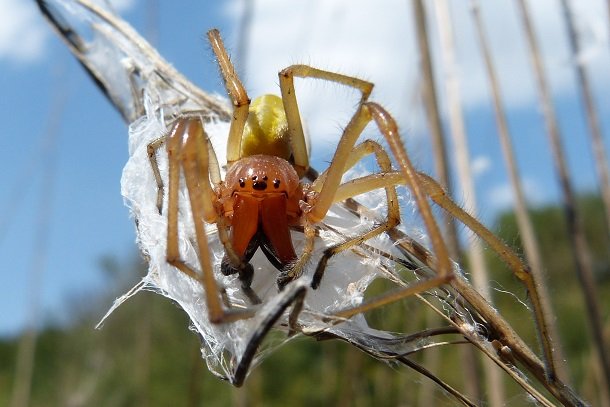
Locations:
(353, 188)
(187, 148)
(241, 103)
(237, 93)
(506, 254)
(434, 191)
(387, 126)
(151, 150)
(367, 112)
(291, 107)
(331, 183)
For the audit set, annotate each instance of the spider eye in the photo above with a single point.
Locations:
(259, 185)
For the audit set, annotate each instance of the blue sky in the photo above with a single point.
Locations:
(41, 82)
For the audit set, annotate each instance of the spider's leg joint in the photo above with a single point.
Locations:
(240, 103)
(174, 260)
(244, 268)
(217, 319)
(447, 278)
(246, 274)
(283, 279)
(290, 272)
(321, 267)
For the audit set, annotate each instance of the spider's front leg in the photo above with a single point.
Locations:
(187, 148)
(299, 148)
(237, 93)
(366, 113)
(232, 263)
(332, 190)
(356, 187)
(291, 107)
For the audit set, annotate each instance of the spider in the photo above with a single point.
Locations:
(262, 197)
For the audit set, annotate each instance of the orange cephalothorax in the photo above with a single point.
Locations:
(260, 196)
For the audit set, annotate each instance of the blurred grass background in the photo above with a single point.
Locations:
(144, 355)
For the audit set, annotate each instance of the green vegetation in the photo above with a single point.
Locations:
(562, 282)
(145, 355)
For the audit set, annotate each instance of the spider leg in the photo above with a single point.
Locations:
(389, 130)
(519, 269)
(239, 97)
(351, 189)
(151, 150)
(421, 184)
(295, 127)
(187, 148)
(366, 113)
(294, 294)
(237, 93)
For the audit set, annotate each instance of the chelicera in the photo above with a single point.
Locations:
(260, 197)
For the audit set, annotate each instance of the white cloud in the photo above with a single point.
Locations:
(23, 31)
(359, 38)
(123, 5)
(480, 165)
(375, 40)
(510, 52)
(500, 197)
(22, 34)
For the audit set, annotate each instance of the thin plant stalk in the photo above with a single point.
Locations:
(524, 222)
(245, 28)
(434, 120)
(581, 251)
(458, 132)
(597, 144)
(478, 266)
(438, 144)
